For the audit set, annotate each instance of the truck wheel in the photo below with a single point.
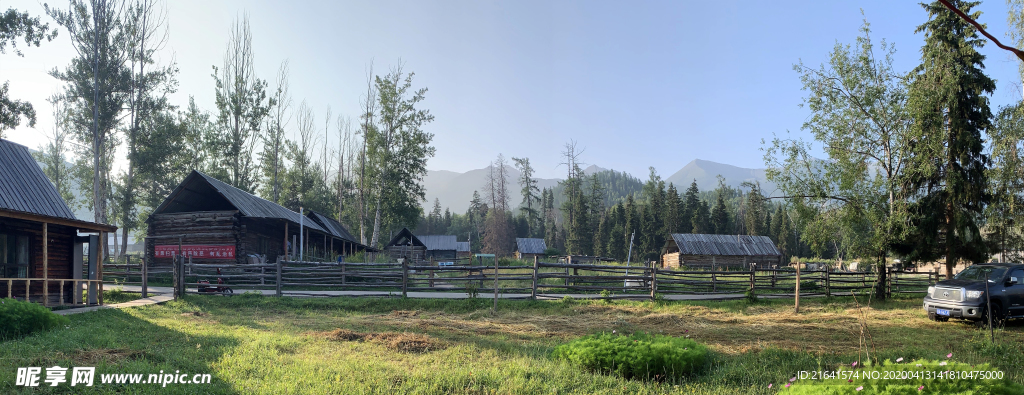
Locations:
(997, 316)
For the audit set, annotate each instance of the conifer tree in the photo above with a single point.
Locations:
(691, 201)
(947, 99)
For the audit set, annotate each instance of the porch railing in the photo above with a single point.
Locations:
(93, 288)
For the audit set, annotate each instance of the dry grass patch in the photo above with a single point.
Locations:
(405, 342)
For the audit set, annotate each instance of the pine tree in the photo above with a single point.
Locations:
(673, 207)
(702, 218)
(691, 201)
(947, 99)
(720, 216)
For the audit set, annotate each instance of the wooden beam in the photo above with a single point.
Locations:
(46, 265)
(74, 223)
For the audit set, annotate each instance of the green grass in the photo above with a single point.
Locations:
(254, 344)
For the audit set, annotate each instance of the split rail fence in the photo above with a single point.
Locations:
(537, 281)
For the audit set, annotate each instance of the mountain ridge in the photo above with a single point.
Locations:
(454, 190)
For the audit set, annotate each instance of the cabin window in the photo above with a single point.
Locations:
(14, 262)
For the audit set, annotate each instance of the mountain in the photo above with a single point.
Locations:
(706, 173)
(454, 190)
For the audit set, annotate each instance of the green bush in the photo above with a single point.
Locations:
(19, 318)
(639, 355)
(917, 377)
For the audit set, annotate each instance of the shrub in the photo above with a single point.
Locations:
(750, 296)
(931, 377)
(19, 318)
(639, 355)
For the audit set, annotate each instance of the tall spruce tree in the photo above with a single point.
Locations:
(691, 201)
(948, 102)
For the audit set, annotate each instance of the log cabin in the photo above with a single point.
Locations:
(529, 248)
(440, 247)
(209, 221)
(719, 252)
(43, 256)
(406, 245)
(463, 249)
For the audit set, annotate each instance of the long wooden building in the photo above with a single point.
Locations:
(719, 251)
(210, 222)
(42, 243)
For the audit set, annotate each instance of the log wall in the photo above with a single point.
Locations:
(206, 227)
(59, 255)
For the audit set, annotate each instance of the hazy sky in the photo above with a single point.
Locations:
(638, 84)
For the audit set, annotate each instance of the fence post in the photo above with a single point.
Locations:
(495, 284)
(536, 265)
(714, 284)
(432, 272)
(752, 279)
(828, 282)
(145, 276)
(277, 282)
(654, 281)
(797, 293)
(174, 277)
(405, 278)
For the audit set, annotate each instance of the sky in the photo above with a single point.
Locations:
(636, 84)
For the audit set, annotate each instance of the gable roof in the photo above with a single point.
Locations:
(530, 246)
(438, 242)
(703, 244)
(25, 188)
(200, 192)
(332, 225)
(405, 234)
(462, 246)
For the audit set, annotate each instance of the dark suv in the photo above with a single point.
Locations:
(964, 295)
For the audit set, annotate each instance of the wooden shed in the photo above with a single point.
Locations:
(440, 247)
(528, 248)
(719, 251)
(42, 244)
(210, 222)
(407, 246)
(463, 249)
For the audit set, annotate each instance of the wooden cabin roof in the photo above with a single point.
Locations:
(26, 193)
(333, 226)
(24, 187)
(530, 246)
(703, 244)
(439, 242)
(405, 237)
(462, 246)
(200, 192)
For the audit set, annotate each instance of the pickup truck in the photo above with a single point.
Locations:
(963, 296)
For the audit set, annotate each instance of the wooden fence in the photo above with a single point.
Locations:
(540, 280)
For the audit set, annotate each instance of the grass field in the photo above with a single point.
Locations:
(254, 344)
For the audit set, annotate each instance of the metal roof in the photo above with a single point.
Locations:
(462, 246)
(702, 244)
(200, 192)
(530, 246)
(336, 228)
(438, 242)
(25, 188)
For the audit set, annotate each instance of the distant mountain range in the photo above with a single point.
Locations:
(454, 190)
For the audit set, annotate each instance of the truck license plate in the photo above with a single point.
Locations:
(942, 312)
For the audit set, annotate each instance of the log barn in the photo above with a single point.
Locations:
(528, 248)
(406, 245)
(212, 222)
(719, 251)
(42, 243)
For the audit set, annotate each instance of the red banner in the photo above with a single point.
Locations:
(197, 251)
